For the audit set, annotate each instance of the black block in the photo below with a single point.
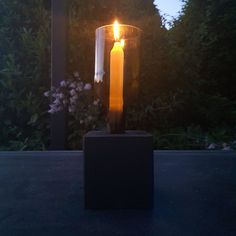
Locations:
(118, 170)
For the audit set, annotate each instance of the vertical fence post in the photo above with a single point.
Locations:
(58, 68)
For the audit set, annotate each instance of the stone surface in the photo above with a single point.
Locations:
(41, 193)
(118, 170)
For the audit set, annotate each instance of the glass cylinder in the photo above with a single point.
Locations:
(117, 62)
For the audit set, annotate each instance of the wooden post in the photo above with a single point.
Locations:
(58, 68)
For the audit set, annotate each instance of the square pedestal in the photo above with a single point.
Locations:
(118, 170)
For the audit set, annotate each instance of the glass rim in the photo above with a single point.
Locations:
(122, 25)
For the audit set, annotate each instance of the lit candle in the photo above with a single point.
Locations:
(116, 78)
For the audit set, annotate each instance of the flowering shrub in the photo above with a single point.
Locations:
(222, 146)
(74, 97)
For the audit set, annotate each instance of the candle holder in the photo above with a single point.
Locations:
(118, 165)
(116, 79)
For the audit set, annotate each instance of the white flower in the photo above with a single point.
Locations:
(72, 92)
(76, 74)
(57, 102)
(79, 87)
(61, 95)
(87, 86)
(226, 147)
(81, 121)
(54, 95)
(71, 109)
(73, 85)
(52, 106)
(96, 102)
(51, 111)
(63, 83)
(46, 94)
(211, 146)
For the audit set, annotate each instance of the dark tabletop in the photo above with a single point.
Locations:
(41, 193)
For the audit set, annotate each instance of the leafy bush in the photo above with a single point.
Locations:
(187, 83)
(24, 74)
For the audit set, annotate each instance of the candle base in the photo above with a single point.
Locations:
(116, 123)
(118, 170)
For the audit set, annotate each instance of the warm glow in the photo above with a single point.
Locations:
(116, 29)
(116, 77)
(122, 42)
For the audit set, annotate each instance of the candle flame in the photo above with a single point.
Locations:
(116, 29)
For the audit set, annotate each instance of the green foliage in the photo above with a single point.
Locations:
(202, 52)
(187, 83)
(192, 78)
(180, 138)
(200, 49)
(24, 74)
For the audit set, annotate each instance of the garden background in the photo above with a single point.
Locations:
(187, 94)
